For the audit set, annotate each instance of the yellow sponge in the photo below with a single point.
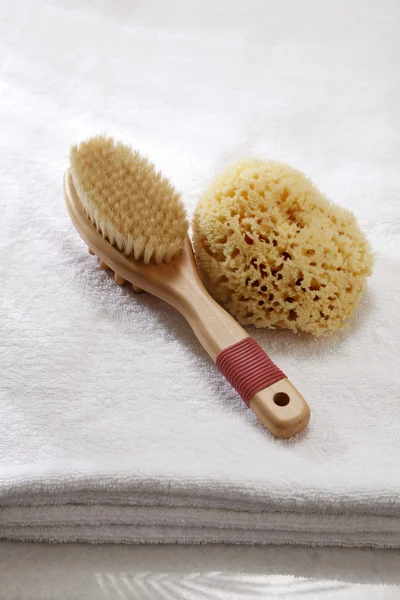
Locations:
(275, 252)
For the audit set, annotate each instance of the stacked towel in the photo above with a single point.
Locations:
(114, 424)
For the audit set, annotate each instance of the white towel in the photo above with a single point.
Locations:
(114, 423)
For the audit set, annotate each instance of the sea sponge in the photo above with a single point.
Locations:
(275, 252)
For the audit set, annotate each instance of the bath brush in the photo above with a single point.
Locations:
(132, 218)
(276, 253)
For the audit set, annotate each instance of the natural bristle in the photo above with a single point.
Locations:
(129, 202)
(275, 252)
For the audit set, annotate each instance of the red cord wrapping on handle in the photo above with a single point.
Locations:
(248, 368)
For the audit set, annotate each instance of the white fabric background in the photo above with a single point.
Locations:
(195, 86)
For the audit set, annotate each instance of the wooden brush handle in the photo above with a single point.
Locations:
(262, 386)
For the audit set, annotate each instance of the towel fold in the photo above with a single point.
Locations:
(114, 424)
(132, 509)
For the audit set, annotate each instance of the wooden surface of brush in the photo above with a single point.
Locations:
(133, 219)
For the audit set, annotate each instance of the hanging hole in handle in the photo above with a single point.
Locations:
(281, 399)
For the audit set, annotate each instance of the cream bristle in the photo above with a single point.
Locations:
(129, 202)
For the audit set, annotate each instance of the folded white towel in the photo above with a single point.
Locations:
(114, 424)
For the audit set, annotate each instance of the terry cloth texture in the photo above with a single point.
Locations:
(114, 423)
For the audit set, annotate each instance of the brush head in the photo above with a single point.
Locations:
(128, 201)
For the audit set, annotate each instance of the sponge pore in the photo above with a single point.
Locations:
(130, 203)
(275, 252)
